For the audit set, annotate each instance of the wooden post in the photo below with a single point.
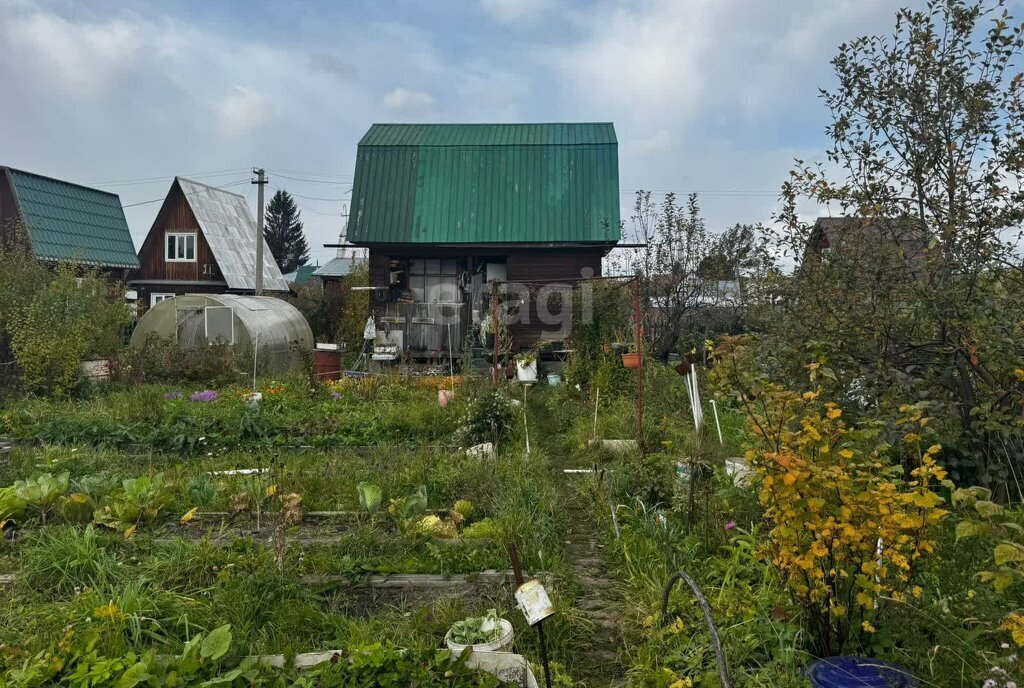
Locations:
(640, 370)
(260, 182)
(494, 326)
(513, 554)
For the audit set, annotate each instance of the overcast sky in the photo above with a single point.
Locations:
(716, 96)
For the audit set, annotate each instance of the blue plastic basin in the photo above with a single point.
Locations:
(858, 672)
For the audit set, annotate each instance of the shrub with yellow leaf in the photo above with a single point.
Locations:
(846, 527)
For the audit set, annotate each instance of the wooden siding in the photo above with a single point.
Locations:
(543, 271)
(9, 213)
(175, 215)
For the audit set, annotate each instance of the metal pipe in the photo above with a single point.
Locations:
(723, 668)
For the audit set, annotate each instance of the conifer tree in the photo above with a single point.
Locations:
(284, 232)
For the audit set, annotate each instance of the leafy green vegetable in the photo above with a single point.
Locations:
(217, 643)
(370, 496)
(477, 629)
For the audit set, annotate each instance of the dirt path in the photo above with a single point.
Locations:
(587, 525)
(599, 600)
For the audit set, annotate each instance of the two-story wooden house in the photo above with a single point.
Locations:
(445, 210)
(203, 240)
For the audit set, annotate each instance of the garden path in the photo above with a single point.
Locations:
(587, 525)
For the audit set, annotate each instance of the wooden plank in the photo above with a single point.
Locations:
(488, 578)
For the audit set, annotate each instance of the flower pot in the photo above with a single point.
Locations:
(630, 360)
(502, 644)
(526, 371)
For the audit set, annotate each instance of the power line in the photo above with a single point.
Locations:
(313, 174)
(311, 181)
(157, 200)
(150, 180)
(705, 192)
(313, 198)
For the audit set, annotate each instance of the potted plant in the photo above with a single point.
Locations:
(487, 633)
(526, 366)
(620, 343)
(632, 358)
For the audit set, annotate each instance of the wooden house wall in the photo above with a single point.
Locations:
(176, 216)
(532, 266)
(9, 215)
(541, 268)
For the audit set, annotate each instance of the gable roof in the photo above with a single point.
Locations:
(338, 267)
(70, 222)
(230, 230)
(908, 233)
(486, 183)
(300, 275)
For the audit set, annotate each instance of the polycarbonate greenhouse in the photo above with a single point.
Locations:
(275, 329)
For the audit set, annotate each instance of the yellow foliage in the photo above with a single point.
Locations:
(1014, 625)
(844, 525)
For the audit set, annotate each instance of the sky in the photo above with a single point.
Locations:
(713, 96)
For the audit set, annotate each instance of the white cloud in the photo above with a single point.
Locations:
(516, 11)
(243, 110)
(409, 101)
(659, 141)
(84, 60)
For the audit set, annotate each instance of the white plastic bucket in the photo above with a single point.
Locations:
(502, 644)
(526, 371)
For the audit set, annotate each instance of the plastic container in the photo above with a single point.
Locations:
(502, 644)
(859, 672)
(554, 379)
(526, 371)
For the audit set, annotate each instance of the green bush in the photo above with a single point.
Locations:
(71, 314)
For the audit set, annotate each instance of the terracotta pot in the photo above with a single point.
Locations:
(630, 360)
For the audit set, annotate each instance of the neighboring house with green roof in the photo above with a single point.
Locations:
(67, 222)
(300, 275)
(446, 208)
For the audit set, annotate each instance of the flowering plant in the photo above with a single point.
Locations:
(205, 396)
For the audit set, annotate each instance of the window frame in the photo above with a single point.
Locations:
(178, 236)
(206, 323)
(158, 296)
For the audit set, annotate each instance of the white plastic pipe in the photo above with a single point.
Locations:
(714, 407)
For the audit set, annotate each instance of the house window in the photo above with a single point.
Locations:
(181, 248)
(434, 280)
(155, 298)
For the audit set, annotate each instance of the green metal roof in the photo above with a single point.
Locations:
(486, 183)
(301, 274)
(70, 222)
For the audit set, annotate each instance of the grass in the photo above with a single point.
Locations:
(169, 582)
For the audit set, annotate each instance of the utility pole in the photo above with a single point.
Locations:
(261, 181)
